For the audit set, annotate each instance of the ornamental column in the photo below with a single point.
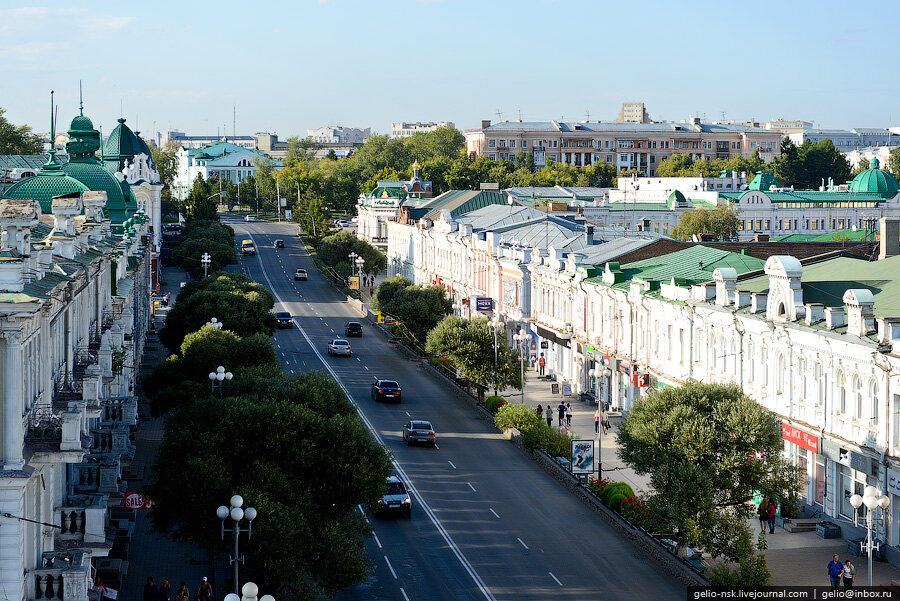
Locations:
(12, 402)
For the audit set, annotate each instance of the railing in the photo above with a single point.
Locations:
(64, 575)
(43, 425)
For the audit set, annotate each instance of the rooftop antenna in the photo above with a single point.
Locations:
(723, 116)
(587, 114)
(121, 107)
(499, 115)
(80, 100)
(520, 114)
(234, 121)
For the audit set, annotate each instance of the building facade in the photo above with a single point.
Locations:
(218, 160)
(405, 129)
(376, 208)
(339, 135)
(847, 140)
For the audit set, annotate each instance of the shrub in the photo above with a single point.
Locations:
(751, 571)
(635, 510)
(520, 417)
(493, 403)
(615, 501)
(616, 488)
(550, 440)
(596, 485)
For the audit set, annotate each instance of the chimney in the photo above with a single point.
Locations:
(889, 230)
(589, 234)
(725, 278)
(485, 123)
(835, 317)
(65, 208)
(758, 302)
(860, 303)
(815, 312)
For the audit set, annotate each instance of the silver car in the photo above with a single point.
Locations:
(395, 500)
(339, 348)
(419, 431)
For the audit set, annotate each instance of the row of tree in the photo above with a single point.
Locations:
(292, 446)
(200, 236)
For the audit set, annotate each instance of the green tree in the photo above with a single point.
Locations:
(470, 343)
(17, 140)
(420, 308)
(304, 470)
(821, 162)
(675, 165)
(707, 448)
(894, 163)
(265, 183)
(200, 203)
(188, 255)
(722, 222)
(334, 251)
(863, 165)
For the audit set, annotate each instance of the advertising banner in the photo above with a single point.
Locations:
(582, 456)
(800, 438)
(353, 280)
(134, 500)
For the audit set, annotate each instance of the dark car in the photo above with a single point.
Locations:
(279, 244)
(353, 328)
(386, 390)
(419, 431)
(285, 320)
(395, 500)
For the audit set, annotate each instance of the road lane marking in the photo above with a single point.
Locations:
(403, 592)
(407, 413)
(437, 447)
(523, 544)
(367, 369)
(454, 548)
(377, 542)
(390, 567)
(472, 487)
(494, 512)
(555, 578)
(451, 464)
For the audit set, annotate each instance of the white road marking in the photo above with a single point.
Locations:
(390, 567)
(367, 369)
(407, 413)
(403, 592)
(437, 447)
(377, 542)
(523, 543)
(472, 487)
(494, 512)
(451, 464)
(555, 578)
(466, 564)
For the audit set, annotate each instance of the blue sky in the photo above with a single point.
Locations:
(292, 65)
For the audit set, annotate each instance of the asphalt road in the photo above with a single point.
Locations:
(487, 523)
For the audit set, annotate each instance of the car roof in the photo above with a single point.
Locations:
(394, 479)
(388, 383)
(339, 341)
(300, 269)
(353, 323)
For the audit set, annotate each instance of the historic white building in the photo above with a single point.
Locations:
(220, 159)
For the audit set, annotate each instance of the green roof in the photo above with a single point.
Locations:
(875, 181)
(763, 181)
(459, 202)
(860, 235)
(49, 182)
(121, 144)
(809, 196)
(826, 282)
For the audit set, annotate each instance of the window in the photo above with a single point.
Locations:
(695, 144)
(751, 366)
(842, 392)
(858, 397)
(677, 144)
(524, 143)
(801, 370)
(819, 378)
(492, 143)
(492, 156)
(873, 395)
(779, 374)
(512, 143)
(768, 224)
(502, 143)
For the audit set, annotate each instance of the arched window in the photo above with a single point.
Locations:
(858, 396)
(873, 394)
(779, 374)
(842, 385)
(819, 377)
(751, 363)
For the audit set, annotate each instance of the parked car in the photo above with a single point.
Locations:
(353, 328)
(418, 431)
(249, 218)
(285, 319)
(279, 244)
(395, 499)
(300, 275)
(386, 390)
(339, 347)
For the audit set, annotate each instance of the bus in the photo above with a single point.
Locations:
(248, 248)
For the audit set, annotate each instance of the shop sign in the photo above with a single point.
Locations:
(134, 500)
(484, 303)
(624, 367)
(835, 452)
(567, 389)
(588, 349)
(893, 482)
(799, 437)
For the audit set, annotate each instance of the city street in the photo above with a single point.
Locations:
(486, 522)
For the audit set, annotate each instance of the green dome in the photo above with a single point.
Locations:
(875, 181)
(50, 182)
(676, 197)
(81, 124)
(121, 145)
(95, 177)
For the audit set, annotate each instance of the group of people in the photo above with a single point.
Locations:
(766, 513)
(839, 571)
(164, 592)
(563, 414)
(601, 420)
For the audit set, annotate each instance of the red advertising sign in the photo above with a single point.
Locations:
(799, 437)
(134, 500)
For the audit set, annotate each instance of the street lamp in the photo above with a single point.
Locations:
(352, 256)
(359, 268)
(215, 323)
(218, 376)
(250, 591)
(521, 337)
(237, 514)
(871, 498)
(495, 325)
(205, 261)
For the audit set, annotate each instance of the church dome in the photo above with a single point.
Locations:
(121, 145)
(49, 182)
(875, 181)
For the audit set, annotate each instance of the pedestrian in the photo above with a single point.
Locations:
(205, 592)
(549, 414)
(541, 363)
(560, 414)
(849, 574)
(835, 570)
(568, 415)
(604, 419)
(151, 593)
(597, 421)
(763, 513)
(165, 591)
(540, 411)
(772, 510)
(182, 594)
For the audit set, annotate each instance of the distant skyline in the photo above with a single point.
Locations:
(288, 66)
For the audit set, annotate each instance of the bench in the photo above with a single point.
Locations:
(564, 462)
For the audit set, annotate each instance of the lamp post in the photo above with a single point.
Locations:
(352, 256)
(359, 268)
(250, 591)
(237, 514)
(205, 260)
(521, 338)
(218, 376)
(215, 323)
(495, 325)
(871, 498)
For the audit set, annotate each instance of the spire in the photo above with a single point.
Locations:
(51, 165)
(80, 100)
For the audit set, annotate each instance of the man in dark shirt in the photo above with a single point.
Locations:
(561, 414)
(835, 567)
(151, 592)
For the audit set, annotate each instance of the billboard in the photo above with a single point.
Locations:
(582, 456)
(354, 282)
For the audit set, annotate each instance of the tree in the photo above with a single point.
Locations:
(166, 160)
(821, 162)
(470, 343)
(894, 163)
(303, 469)
(861, 166)
(420, 308)
(188, 255)
(334, 251)
(200, 203)
(707, 448)
(722, 222)
(17, 140)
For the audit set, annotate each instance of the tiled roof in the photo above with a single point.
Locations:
(40, 289)
(459, 202)
(695, 264)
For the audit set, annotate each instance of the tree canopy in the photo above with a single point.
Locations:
(201, 202)
(722, 222)
(807, 166)
(17, 140)
(470, 343)
(201, 236)
(707, 448)
(682, 165)
(335, 251)
(420, 308)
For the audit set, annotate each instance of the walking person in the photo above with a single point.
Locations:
(763, 513)
(835, 570)
(540, 411)
(849, 574)
(772, 510)
(549, 414)
(151, 592)
(541, 363)
(182, 594)
(568, 415)
(560, 414)
(597, 421)
(205, 591)
(165, 591)
(604, 419)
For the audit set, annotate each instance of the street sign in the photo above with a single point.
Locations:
(288, 213)
(135, 500)
(484, 304)
(567, 389)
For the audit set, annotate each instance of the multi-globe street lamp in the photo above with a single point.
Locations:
(521, 338)
(215, 323)
(205, 260)
(495, 325)
(360, 262)
(218, 376)
(237, 513)
(871, 498)
(249, 591)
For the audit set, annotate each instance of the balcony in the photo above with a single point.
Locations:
(98, 473)
(83, 525)
(54, 437)
(64, 575)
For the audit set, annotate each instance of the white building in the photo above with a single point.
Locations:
(218, 160)
(188, 141)
(339, 135)
(406, 130)
(847, 140)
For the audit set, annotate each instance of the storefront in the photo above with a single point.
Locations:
(893, 490)
(853, 471)
(802, 449)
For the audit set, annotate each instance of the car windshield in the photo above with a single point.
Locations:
(353, 324)
(388, 384)
(340, 343)
(301, 271)
(421, 426)
(282, 314)
(395, 488)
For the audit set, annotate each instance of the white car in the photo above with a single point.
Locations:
(249, 218)
(339, 347)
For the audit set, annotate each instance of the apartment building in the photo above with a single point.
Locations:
(406, 129)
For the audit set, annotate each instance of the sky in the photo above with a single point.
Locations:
(285, 66)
